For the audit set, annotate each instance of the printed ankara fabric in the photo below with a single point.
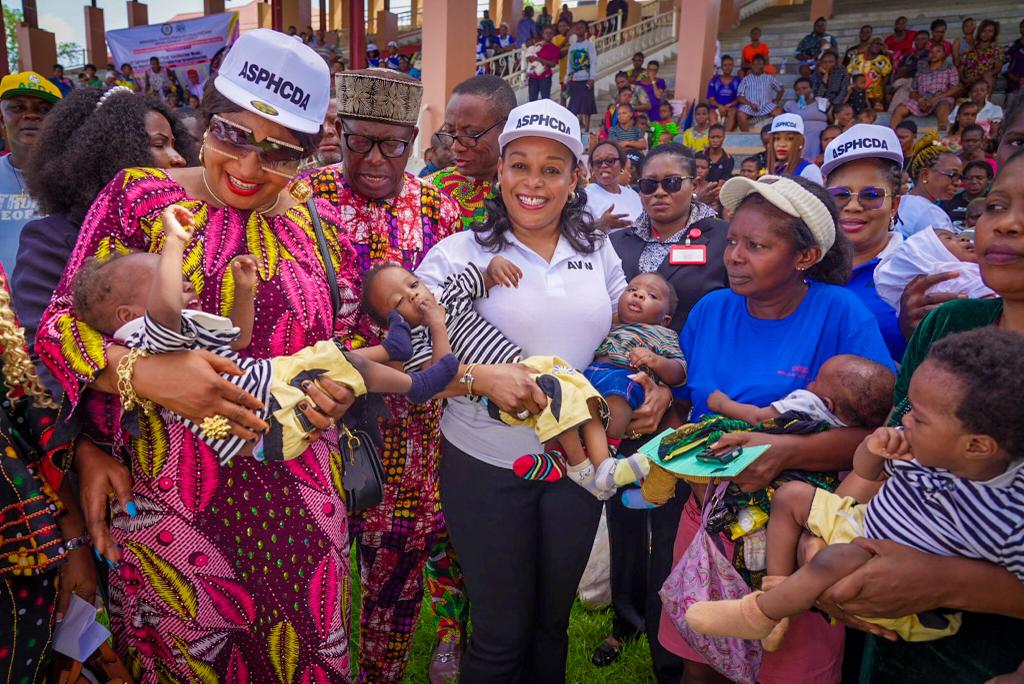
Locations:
(235, 572)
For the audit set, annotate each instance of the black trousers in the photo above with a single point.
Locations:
(539, 88)
(523, 547)
(641, 558)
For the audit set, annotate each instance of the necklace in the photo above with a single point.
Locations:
(22, 195)
(262, 212)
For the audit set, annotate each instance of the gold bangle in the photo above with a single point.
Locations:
(467, 379)
(125, 373)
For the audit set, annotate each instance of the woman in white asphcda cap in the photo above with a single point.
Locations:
(786, 149)
(523, 544)
(863, 169)
(221, 572)
(784, 314)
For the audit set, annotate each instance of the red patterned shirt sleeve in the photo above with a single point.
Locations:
(121, 220)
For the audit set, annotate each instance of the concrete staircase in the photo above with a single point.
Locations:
(783, 27)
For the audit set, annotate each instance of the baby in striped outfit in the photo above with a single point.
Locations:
(575, 416)
(953, 478)
(142, 300)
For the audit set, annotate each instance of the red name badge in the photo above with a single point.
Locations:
(688, 255)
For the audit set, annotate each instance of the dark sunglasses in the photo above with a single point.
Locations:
(272, 152)
(951, 175)
(868, 198)
(610, 161)
(362, 144)
(466, 140)
(648, 186)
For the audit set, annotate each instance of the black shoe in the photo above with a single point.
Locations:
(605, 654)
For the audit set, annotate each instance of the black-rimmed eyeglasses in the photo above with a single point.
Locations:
(466, 140)
(363, 144)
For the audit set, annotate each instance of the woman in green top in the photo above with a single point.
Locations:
(903, 581)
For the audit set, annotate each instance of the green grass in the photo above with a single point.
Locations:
(587, 629)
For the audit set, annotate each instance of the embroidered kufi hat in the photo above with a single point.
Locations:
(379, 95)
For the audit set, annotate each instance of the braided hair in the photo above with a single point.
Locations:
(926, 152)
(18, 370)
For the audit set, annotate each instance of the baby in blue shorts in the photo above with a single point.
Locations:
(638, 342)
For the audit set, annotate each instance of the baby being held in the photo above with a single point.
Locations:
(573, 417)
(850, 391)
(142, 300)
(953, 477)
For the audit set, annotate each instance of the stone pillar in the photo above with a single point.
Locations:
(357, 35)
(448, 58)
(729, 15)
(95, 43)
(509, 12)
(37, 50)
(387, 28)
(373, 7)
(297, 13)
(414, 11)
(821, 8)
(636, 12)
(213, 7)
(338, 10)
(138, 14)
(698, 27)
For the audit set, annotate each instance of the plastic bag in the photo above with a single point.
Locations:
(705, 574)
(595, 589)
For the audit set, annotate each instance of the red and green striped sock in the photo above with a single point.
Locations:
(548, 466)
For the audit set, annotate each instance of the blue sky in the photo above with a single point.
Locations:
(66, 18)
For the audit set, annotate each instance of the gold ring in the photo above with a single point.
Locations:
(215, 427)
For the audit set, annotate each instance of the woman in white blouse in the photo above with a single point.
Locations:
(523, 544)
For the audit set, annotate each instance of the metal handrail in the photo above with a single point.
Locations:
(512, 64)
(613, 50)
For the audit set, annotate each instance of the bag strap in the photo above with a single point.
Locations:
(325, 256)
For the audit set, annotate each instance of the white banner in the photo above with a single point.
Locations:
(182, 46)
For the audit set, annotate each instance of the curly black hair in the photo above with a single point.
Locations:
(81, 148)
(989, 363)
(576, 224)
(215, 103)
(837, 264)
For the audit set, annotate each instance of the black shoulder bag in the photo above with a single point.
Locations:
(363, 474)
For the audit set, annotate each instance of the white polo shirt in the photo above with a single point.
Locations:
(561, 308)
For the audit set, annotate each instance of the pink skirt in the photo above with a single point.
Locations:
(917, 110)
(812, 652)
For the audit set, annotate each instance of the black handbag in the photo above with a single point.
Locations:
(362, 472)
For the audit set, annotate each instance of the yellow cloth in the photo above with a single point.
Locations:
(323, 359)
(563, 413)
(840, 520)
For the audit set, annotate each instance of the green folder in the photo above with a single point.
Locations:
(684, 462)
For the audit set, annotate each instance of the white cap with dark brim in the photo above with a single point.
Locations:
(543, 119)
(277, 77)
(786, 195)
(862, 141)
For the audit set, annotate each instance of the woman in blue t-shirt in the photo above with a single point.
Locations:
(784, 314)
(722, 92)
(863, 172)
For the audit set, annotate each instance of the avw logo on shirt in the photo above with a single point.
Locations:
(580, 265)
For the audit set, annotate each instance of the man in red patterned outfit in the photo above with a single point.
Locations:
(390, 216)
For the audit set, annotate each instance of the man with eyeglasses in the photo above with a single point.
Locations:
(474, 117)
(391, 216)
(25, 100)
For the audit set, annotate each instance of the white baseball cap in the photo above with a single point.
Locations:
(543, 119)
(392, 43)
(787, 195)
(860, 141)
(788, 123)
(372, 47)
(281, 79)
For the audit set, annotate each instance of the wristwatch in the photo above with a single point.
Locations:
(467, 379)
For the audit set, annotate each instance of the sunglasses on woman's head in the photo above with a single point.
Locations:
(670, 184)
(274, 154)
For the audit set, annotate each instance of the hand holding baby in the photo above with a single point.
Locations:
(503, 272)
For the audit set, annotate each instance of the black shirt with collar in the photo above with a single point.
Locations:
(691, 282)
